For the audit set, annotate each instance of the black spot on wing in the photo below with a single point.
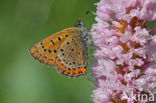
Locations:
(52, 42)
(61, 50)
(66, 35)
(59, 38)
(67, 43)
(49, 51)
(55, 51)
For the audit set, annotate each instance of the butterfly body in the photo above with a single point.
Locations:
(66, 50)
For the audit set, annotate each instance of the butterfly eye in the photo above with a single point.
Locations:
(79, 24)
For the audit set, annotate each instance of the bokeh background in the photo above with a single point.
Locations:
(25, 22)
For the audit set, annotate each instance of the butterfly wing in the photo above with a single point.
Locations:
(72, 56)
(46, 50)
(66, 50)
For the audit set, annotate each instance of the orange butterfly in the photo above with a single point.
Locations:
(67, 50)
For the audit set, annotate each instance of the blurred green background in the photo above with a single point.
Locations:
(25, 22)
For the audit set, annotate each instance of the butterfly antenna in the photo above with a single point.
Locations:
(79, 22)
(87, 12)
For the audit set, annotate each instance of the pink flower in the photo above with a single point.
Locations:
(125, 58)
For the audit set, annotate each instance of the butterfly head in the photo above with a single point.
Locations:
(79, 24)
(84, 34)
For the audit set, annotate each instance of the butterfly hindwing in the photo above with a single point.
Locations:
(73, 56)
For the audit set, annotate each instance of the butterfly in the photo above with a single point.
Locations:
(67, 50)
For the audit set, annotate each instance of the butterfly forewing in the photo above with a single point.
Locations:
(45, 51)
